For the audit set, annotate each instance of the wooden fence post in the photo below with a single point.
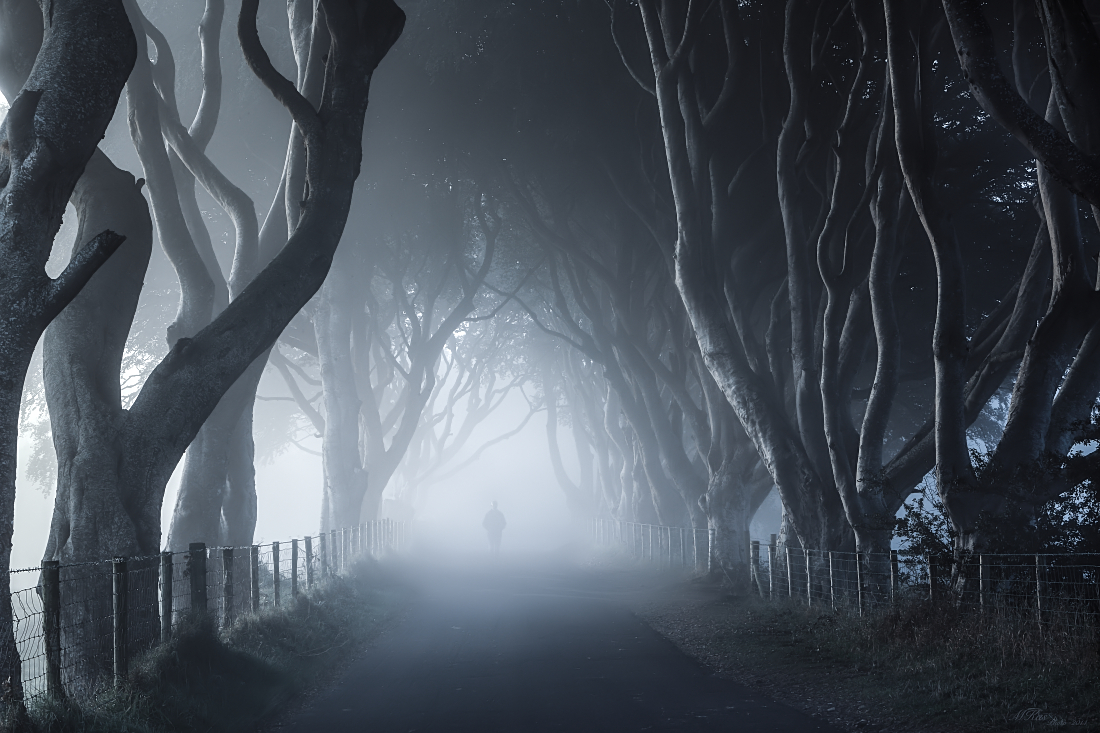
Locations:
(309, 562)
(984, 585)
(166, 610)
(196, 570)
(229, 612)
(832, 580)
(51, 625)
(334, 552)
(933, 578)
(754, 566)
(894, 577)
(771, 566)
(790, 582)
(1039, 588)
(275, 574)
(254, 576)
(809, 579)
(294, 568)
(859, 581)
(324, 555)
(120, 613)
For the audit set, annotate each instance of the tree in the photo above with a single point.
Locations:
(836, 201)
(118, 514)
(64, 102)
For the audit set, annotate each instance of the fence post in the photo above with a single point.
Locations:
(859, 581)
(754, 565)
(309, 562)
(832, 581)
(227, 590)
(51, 625)
(983, 581)
(334, 552)
(166, 568)
(294, 568)
(275, 573)
(893, 577)
(771, 567)
(933, 578)
(120, 582)
(254, 576)
(790, 582)
(683, 550)
(809, 579)
(196, 569)
(324, 554)
(710, 550)
(1039, 588)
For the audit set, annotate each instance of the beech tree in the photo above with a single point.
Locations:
(109, 502)
(64, 85)
(856, 148)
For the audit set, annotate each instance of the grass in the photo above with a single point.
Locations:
(230, 680)
(921, 667)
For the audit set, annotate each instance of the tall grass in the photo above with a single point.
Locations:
(931, 664)
(229, 680)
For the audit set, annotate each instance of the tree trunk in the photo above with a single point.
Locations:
(345, 479)
(52, 128)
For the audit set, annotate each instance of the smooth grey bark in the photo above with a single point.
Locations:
(1047, 399)
(82, 358)
(50, 133)
(812, 505)
(187, 386)
(345, 477)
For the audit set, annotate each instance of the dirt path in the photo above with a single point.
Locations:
(538, 646)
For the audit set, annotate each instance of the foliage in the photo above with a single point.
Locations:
(923, 527)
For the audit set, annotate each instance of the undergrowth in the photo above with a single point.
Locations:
(229, 680)
(952, 668)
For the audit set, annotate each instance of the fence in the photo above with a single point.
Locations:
(86, 621)
(1052, 590)
(666, 547)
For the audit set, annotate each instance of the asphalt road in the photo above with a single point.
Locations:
(532, 647)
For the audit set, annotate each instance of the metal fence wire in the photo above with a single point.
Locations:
(78, 626)
(1052, 592)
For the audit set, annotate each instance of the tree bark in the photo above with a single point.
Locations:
(50, 133)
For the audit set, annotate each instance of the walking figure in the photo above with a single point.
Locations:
(494, 525)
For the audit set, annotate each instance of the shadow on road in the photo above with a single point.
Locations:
(533, 643)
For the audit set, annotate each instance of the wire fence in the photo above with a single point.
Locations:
(1053, 591)
(666, 547)
(81, 624)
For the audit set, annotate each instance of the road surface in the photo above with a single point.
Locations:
(525, 648)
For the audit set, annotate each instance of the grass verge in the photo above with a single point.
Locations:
(230, 680)
(922, 667)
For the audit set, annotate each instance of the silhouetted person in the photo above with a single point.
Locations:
(494, 524)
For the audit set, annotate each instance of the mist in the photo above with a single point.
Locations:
(734, 315)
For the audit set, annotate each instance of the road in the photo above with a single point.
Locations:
(531, 647)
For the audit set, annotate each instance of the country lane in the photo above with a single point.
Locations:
(523, 647)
